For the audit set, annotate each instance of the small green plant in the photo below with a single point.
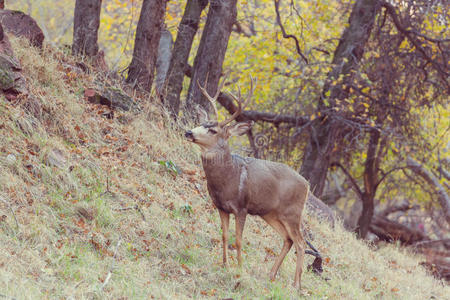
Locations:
(184, 211)
(278, 292)
(187, 209)
(170, 166)
(185, 257)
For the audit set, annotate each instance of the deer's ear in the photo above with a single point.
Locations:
(202, 115)
(239, 128)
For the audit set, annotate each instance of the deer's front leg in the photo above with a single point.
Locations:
(225, 221)
(240, 222)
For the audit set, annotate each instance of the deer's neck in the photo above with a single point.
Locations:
(227, 177)
(219, 164)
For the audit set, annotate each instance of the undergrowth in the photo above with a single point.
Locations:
(124, 211)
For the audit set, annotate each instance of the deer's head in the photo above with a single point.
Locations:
(211, 132)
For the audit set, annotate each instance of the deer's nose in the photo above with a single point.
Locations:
(188, 134)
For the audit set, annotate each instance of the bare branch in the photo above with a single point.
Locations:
(108, 277)
(240, 30)
(389, 230)
(429, 177)
(253, 115)
(388, 173)
(410, 35)
(432, 243)
(396, 208)
(444, 172)
(136, 207)
(285, 35)
(349, 176)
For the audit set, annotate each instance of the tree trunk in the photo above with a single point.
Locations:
(318, 155)
(180, 54)
(390, 231)
(148, 32)
(370, 184)
(211, 53)
(348, 53)
(85, 27)
(163, 59)
(365, 219)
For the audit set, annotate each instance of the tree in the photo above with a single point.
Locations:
(211, 53)
(374, 156)
(85, 27)
(148, 33)
(183, 44)
(347, 55)
(395, 79)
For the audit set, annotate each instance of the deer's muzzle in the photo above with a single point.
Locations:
(188, 134)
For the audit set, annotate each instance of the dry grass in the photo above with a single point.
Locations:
(111, 187)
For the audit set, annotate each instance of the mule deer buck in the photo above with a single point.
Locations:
(242, 186)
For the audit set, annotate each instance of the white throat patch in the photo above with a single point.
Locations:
(242, 180)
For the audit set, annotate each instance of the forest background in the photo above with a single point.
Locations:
(369, 128)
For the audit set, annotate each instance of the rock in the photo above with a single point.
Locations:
(6, 80)
(119, 99)
(11, 159)
(10, 76)
(5, 46)
(111, 97)
(12, 82)
(320, 209)
(22, 25)
(56, 158)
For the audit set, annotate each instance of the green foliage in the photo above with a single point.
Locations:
(170, 166)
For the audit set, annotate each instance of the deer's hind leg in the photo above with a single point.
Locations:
(293, 229)
(287, 243)
(225, 222)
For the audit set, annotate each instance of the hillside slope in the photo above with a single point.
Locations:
(97, 208)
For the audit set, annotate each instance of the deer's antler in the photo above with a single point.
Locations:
(212, 99)
(241, 105)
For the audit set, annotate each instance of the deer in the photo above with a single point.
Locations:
(250, 186)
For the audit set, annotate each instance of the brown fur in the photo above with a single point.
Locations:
(242, 186)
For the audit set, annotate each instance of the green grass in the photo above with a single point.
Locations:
(168, 248)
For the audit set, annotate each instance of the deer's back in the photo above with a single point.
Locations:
(274, 187)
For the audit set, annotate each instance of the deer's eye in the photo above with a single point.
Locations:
(212, 131)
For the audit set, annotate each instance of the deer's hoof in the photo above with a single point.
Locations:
(272, 277)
